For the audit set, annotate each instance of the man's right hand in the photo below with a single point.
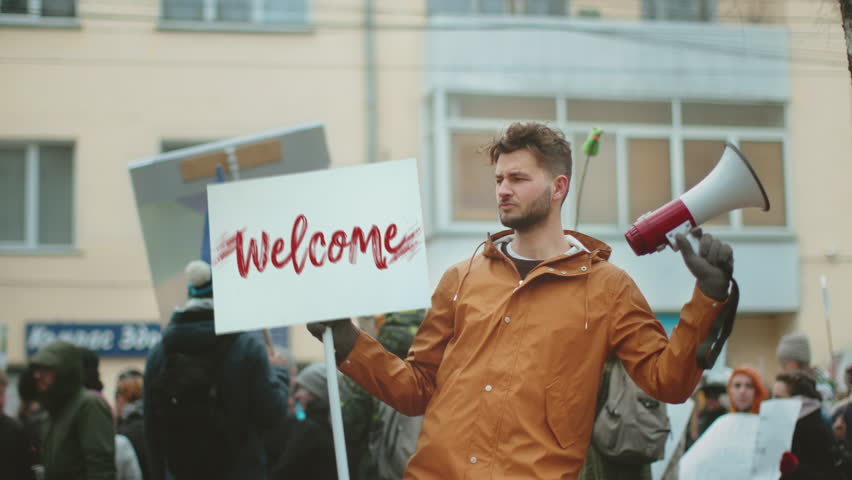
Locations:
(344, 332)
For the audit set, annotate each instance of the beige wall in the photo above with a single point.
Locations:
(117, 86)
(821, 154)
(753, 342)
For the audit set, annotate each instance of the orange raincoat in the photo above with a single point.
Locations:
(506, 370)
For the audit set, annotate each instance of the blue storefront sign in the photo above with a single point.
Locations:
(116, 340)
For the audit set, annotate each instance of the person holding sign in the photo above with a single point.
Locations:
(507, 362)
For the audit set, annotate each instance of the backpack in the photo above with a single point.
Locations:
(631, 427)
(188, 404)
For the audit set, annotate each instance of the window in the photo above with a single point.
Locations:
(36, 195)
(244, 12)
(498, 7)
(649, 175)
(680, 10)
(39, 8)
(646, 156)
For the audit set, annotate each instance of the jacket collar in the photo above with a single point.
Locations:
(596, 250)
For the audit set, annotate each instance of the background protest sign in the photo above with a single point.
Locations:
(743, 446)
(171, 194)
(314, 246)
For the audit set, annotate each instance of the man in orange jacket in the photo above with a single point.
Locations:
(507, 363)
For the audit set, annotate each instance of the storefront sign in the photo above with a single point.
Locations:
(117, 340)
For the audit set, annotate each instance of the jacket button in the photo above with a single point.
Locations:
(550, 270)
(563, 272)
(507, 319)
(583, 268)
(472, 459)
(488, 388)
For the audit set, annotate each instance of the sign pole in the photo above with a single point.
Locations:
(334, 404)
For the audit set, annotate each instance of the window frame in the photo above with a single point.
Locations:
(31, 244)
(35, 19)
(444, 121)
(209, 22)
(516, 8)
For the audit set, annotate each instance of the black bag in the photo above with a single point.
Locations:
(188, 403)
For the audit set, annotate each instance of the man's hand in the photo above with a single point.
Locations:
(344, 332)
(713, 265)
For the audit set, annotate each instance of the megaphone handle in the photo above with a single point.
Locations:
(686, 229)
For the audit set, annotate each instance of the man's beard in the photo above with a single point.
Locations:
(537, 212)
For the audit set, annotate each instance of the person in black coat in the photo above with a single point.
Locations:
(17, 454)
(254, 386)
(306, 444)
(130, 413)
(810, 457)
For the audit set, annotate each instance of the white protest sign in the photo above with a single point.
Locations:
(679, 415)
(775, 436)
(315, 246)
(743, 446)
(724, 450)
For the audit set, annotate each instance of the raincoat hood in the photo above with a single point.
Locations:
(67, 360)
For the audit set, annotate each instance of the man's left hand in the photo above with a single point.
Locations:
(713, 265)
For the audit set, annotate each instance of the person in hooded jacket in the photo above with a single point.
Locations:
(77, 440)
(252, 386)
(810, 456)
(307, 444)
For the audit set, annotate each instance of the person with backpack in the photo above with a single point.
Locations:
(630, 429)
(209, 400)
(507, 363)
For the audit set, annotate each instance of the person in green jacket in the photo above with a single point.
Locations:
(77, 440)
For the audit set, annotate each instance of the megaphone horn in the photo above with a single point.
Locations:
(731, 185)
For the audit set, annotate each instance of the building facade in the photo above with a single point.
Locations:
(91, 86)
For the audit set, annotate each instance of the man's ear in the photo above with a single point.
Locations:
(560, 187)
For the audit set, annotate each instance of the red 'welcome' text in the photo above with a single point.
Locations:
(318, 249)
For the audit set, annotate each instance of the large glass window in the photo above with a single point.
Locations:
(36, 195)
(473, 177)
(498, 7)
(680, 10)
(272, 12)
(39, 8)
(599, 197)
(649, 175)
(646, 155)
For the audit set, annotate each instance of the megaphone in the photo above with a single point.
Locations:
(730, 186)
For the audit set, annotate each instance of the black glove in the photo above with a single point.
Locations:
(712, 266)
(344, 332)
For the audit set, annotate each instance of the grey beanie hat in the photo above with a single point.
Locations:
(794, 347)
(313, 379)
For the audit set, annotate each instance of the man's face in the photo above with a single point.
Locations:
(303, 396)
(44, 377)
(524, 190)
(789, 366)
(780, 390)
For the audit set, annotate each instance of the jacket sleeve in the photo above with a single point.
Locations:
(664, 368)
(153, 430)
(97, 439)
(407, 385)
(269, 387)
